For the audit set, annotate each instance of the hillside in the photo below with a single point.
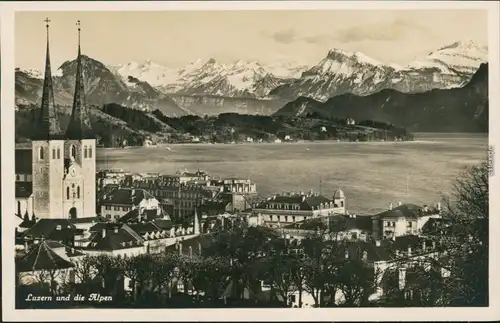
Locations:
(232, 127)
(462, 109)
(101, 87)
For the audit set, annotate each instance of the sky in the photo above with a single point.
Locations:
(176, 38)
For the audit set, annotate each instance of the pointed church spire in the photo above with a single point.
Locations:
(47, 123)
(79, 123)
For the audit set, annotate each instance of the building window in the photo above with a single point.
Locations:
(58, 153)
(53, 153)
(90, 152)
(108, 207)
(17, 177)
(85, 152)
(341, 203)
(67, 193)
(78, 192)
(108, 216)
(72, 152)
(40, 153)
(117, 208)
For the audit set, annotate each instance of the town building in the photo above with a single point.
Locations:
(404, 219)
(293, 207)
(121, 201)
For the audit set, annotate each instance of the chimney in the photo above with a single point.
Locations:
(426, 209)
(402, 278)
(104, 232)
(390, 206)
(409, 251)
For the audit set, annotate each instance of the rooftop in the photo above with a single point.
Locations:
(126, 196)
(42, 257)
(405, 210)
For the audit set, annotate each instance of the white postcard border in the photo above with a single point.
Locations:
(7, 11)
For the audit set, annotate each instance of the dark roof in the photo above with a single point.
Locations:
(24, 161)
(404, 210)
(337, 223)
(126, 196)
(88, 220)
(203, 240)
(142, 228)
(48, 228)
(163, 224)
(122, 238)
(306, 202)
(133, 216)
(42, 257)
(24, 189)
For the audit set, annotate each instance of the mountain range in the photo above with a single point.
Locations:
(462, 109)
(343, 72)
(207, 87)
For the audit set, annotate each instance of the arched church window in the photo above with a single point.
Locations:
(85, 152)
(40, 153)
(58, 153)
(341, 203)
(72, 152)
(78, 192)
(53, 153)
(67, 193)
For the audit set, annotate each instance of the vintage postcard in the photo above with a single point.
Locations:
(253, 161)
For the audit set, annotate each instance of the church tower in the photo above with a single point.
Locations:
(47, 151)
(79, 184)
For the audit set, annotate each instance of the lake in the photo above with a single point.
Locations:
(372, 174)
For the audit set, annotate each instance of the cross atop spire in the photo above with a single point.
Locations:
(47, 124)
(79, 123)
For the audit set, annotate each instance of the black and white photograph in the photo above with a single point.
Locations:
(264, 157)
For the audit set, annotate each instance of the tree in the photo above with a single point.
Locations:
(461, 237)
(85, 271)
(466, 243)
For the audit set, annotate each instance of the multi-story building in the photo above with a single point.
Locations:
(119, 202)
(292, 207)
(404, 219)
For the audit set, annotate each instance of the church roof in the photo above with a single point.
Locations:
(42, 257)
(23, 161)
(79, 124)
(47, 126)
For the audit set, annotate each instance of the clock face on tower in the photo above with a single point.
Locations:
(72, 171)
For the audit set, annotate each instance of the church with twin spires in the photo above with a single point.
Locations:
(63, 163)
